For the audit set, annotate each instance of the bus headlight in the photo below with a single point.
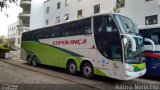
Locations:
(130, 68)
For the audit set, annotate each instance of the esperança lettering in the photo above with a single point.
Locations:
(72, 42)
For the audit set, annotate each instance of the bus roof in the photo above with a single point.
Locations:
(149, 26)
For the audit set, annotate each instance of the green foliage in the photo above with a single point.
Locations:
(116, 9)
(5, 3)
(1, 40)
(119, 4)
(4, 47)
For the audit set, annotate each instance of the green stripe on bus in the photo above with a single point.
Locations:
(54, 56)
(50, 55)
(99, 72)
(139, 67)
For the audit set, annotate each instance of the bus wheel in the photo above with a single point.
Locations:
(72, 68)
(34, 61)
(87, 70)
(29, 61)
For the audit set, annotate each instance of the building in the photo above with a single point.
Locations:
(37, 14)
(13, 38)
(143, 12)
(146, 12)
(49, 12)
(73, 9)
(24, 19)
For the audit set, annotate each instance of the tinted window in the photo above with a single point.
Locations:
(107, 37)
(81, 27)
(153, 34)
(104, 24)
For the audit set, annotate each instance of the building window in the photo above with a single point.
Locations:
(47, 22)
(79, 13)
(66, 17)
(58, 5)
(149, 20)
(67, 2)
(120, 3)
(96, 8)
(57, 19)
(47, 10)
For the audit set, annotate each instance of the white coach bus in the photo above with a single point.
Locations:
(104, 44)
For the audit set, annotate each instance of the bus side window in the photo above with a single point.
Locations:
(155, 38)
(104, 24)
(151, 34)
(145, 34)
(52, 32)
(88, 29)
(58, 31)
(107, 25)
(68, 29)
(83, 27)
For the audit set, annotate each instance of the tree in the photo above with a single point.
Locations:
(5, 3)
(119, 4)
(1, 40)
(116, 9)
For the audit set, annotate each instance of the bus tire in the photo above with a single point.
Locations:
(34, 61)
(29, 60)
(87, 70)
(72, 68)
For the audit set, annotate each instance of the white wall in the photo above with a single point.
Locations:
(134, 9)
(12, 30)
(13, 34)
(37, 10)
(86, 5)
(138, 9)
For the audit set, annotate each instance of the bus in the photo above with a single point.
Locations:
(152, 56)
(105, 44)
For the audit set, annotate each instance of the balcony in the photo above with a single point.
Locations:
(23, 27)
(25, 14)
(25, 2)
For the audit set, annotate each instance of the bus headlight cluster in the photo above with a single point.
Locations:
(130, 68)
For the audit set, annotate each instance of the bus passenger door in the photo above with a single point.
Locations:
(108, 42)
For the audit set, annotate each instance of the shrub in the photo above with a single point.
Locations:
(4, 48)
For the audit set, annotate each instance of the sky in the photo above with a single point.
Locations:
(13, 12)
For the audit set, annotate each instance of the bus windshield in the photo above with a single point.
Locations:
(127, 25)
(130, 56)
